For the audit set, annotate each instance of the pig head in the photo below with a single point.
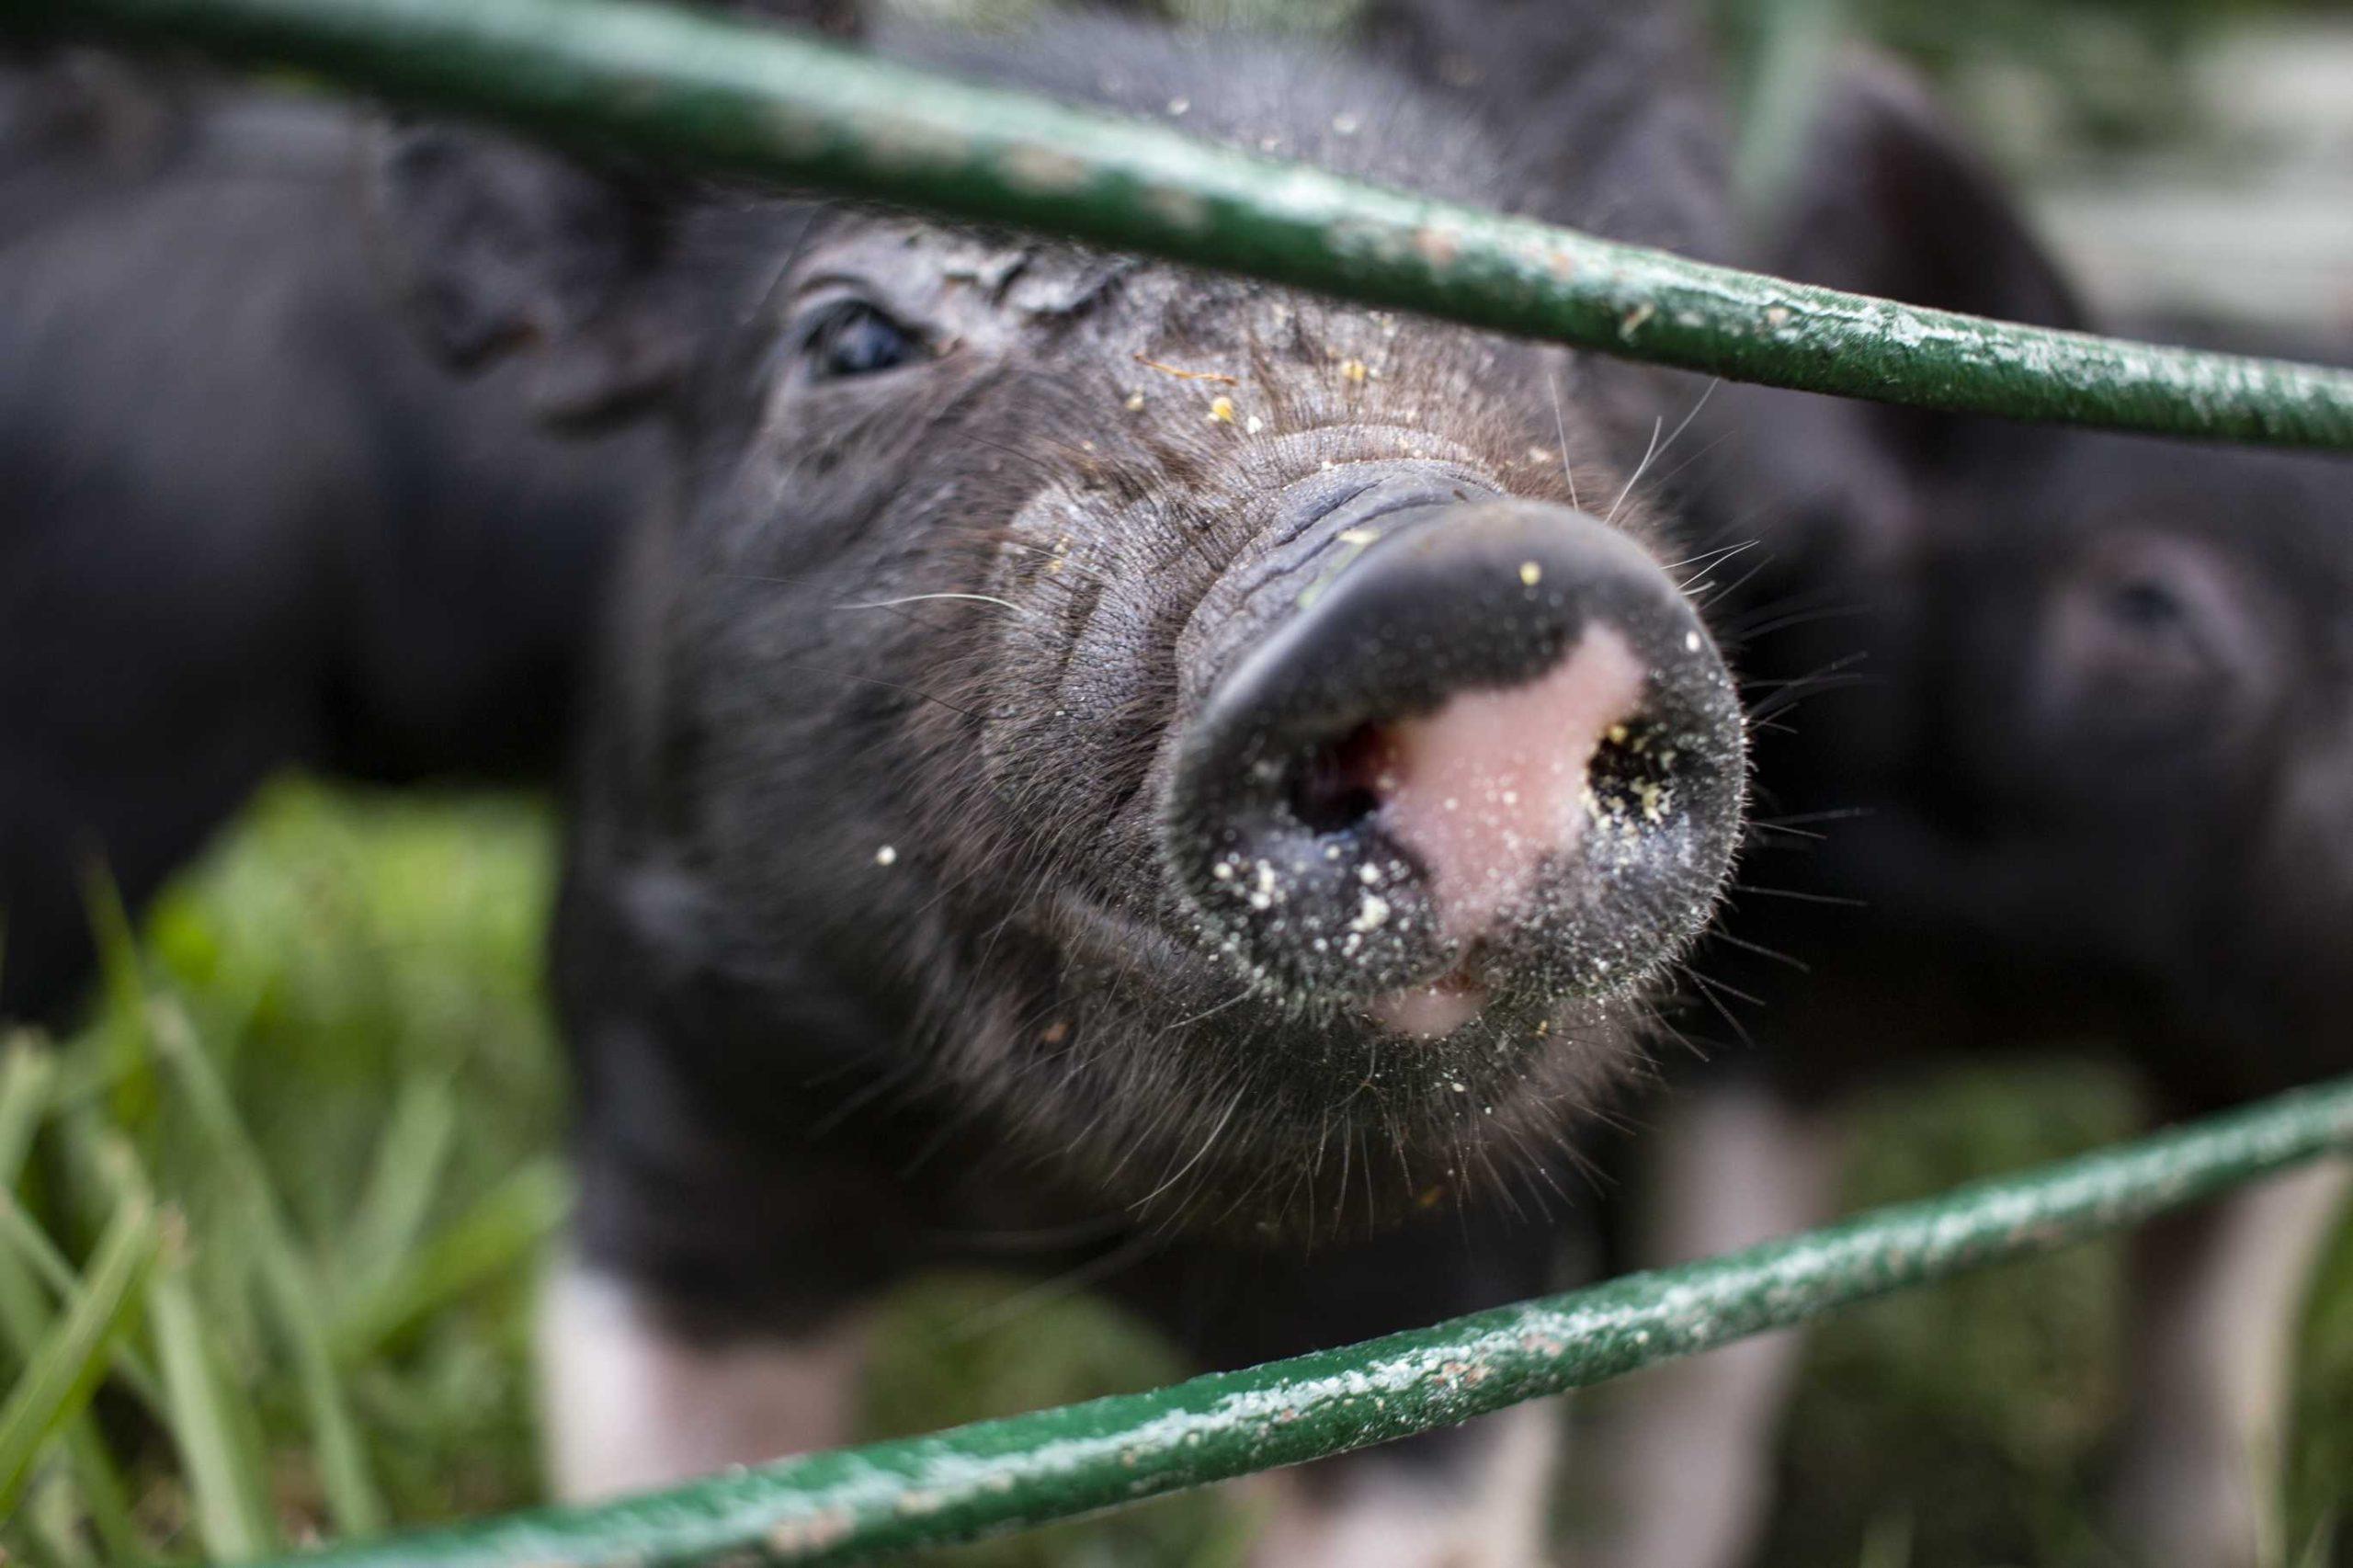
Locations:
(1241, 749)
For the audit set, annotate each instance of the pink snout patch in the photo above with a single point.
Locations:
(1487, 790)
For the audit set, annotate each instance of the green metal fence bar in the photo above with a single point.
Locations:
(849, 1504)
(715, 94)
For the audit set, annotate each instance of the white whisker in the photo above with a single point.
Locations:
(1561, 427)
(919, 598)
(1715, 559)
(1710, 556)
(1696, 407)
(1658, 448)
(1639, 469)
(1199, 1155)
(1239, 996)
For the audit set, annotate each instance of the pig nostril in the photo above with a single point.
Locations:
(1630, 783)
(1337, 785)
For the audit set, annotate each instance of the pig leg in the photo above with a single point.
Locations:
(2218, 1293)
(1482, 1505)
(1691, 1452)
(632, 1401)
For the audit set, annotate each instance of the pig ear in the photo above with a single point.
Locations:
(1890, 201)
(1605, 114)
(1886, 198)
(501, 249)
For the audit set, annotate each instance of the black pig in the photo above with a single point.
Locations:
(1097, 750)
(2096, 781)
(246, 523)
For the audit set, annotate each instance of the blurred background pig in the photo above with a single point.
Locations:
(2072, 767)
(248, 524)
(357, 968)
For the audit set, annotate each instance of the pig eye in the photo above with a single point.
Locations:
(2162, 616)
(2155, 635)
(852, 337)
(2146, 606)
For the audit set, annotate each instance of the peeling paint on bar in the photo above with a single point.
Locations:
(711, 93)
(853, 1504)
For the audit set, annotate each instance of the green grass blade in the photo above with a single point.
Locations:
(123, 1035)
(411, 1157)
(225, 1485)
(69, 1363)
(289, 1283)
(28, 1076)
(27, 1072)
(215, 1432)
(504, 1227)
(25, 1320)
(357, 1508)
(27, 1257)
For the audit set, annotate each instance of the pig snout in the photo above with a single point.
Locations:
(1486, 749)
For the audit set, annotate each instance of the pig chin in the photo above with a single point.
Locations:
(1178, 1087)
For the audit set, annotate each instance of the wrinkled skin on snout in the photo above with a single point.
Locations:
(1244, 748)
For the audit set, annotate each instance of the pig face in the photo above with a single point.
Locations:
(2105, 724)
(2126, 716)
(1246, 746)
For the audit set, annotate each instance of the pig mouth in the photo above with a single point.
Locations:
(1210, 1103)
(1160, 971)
(1163, 982)
(1434, 1011)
